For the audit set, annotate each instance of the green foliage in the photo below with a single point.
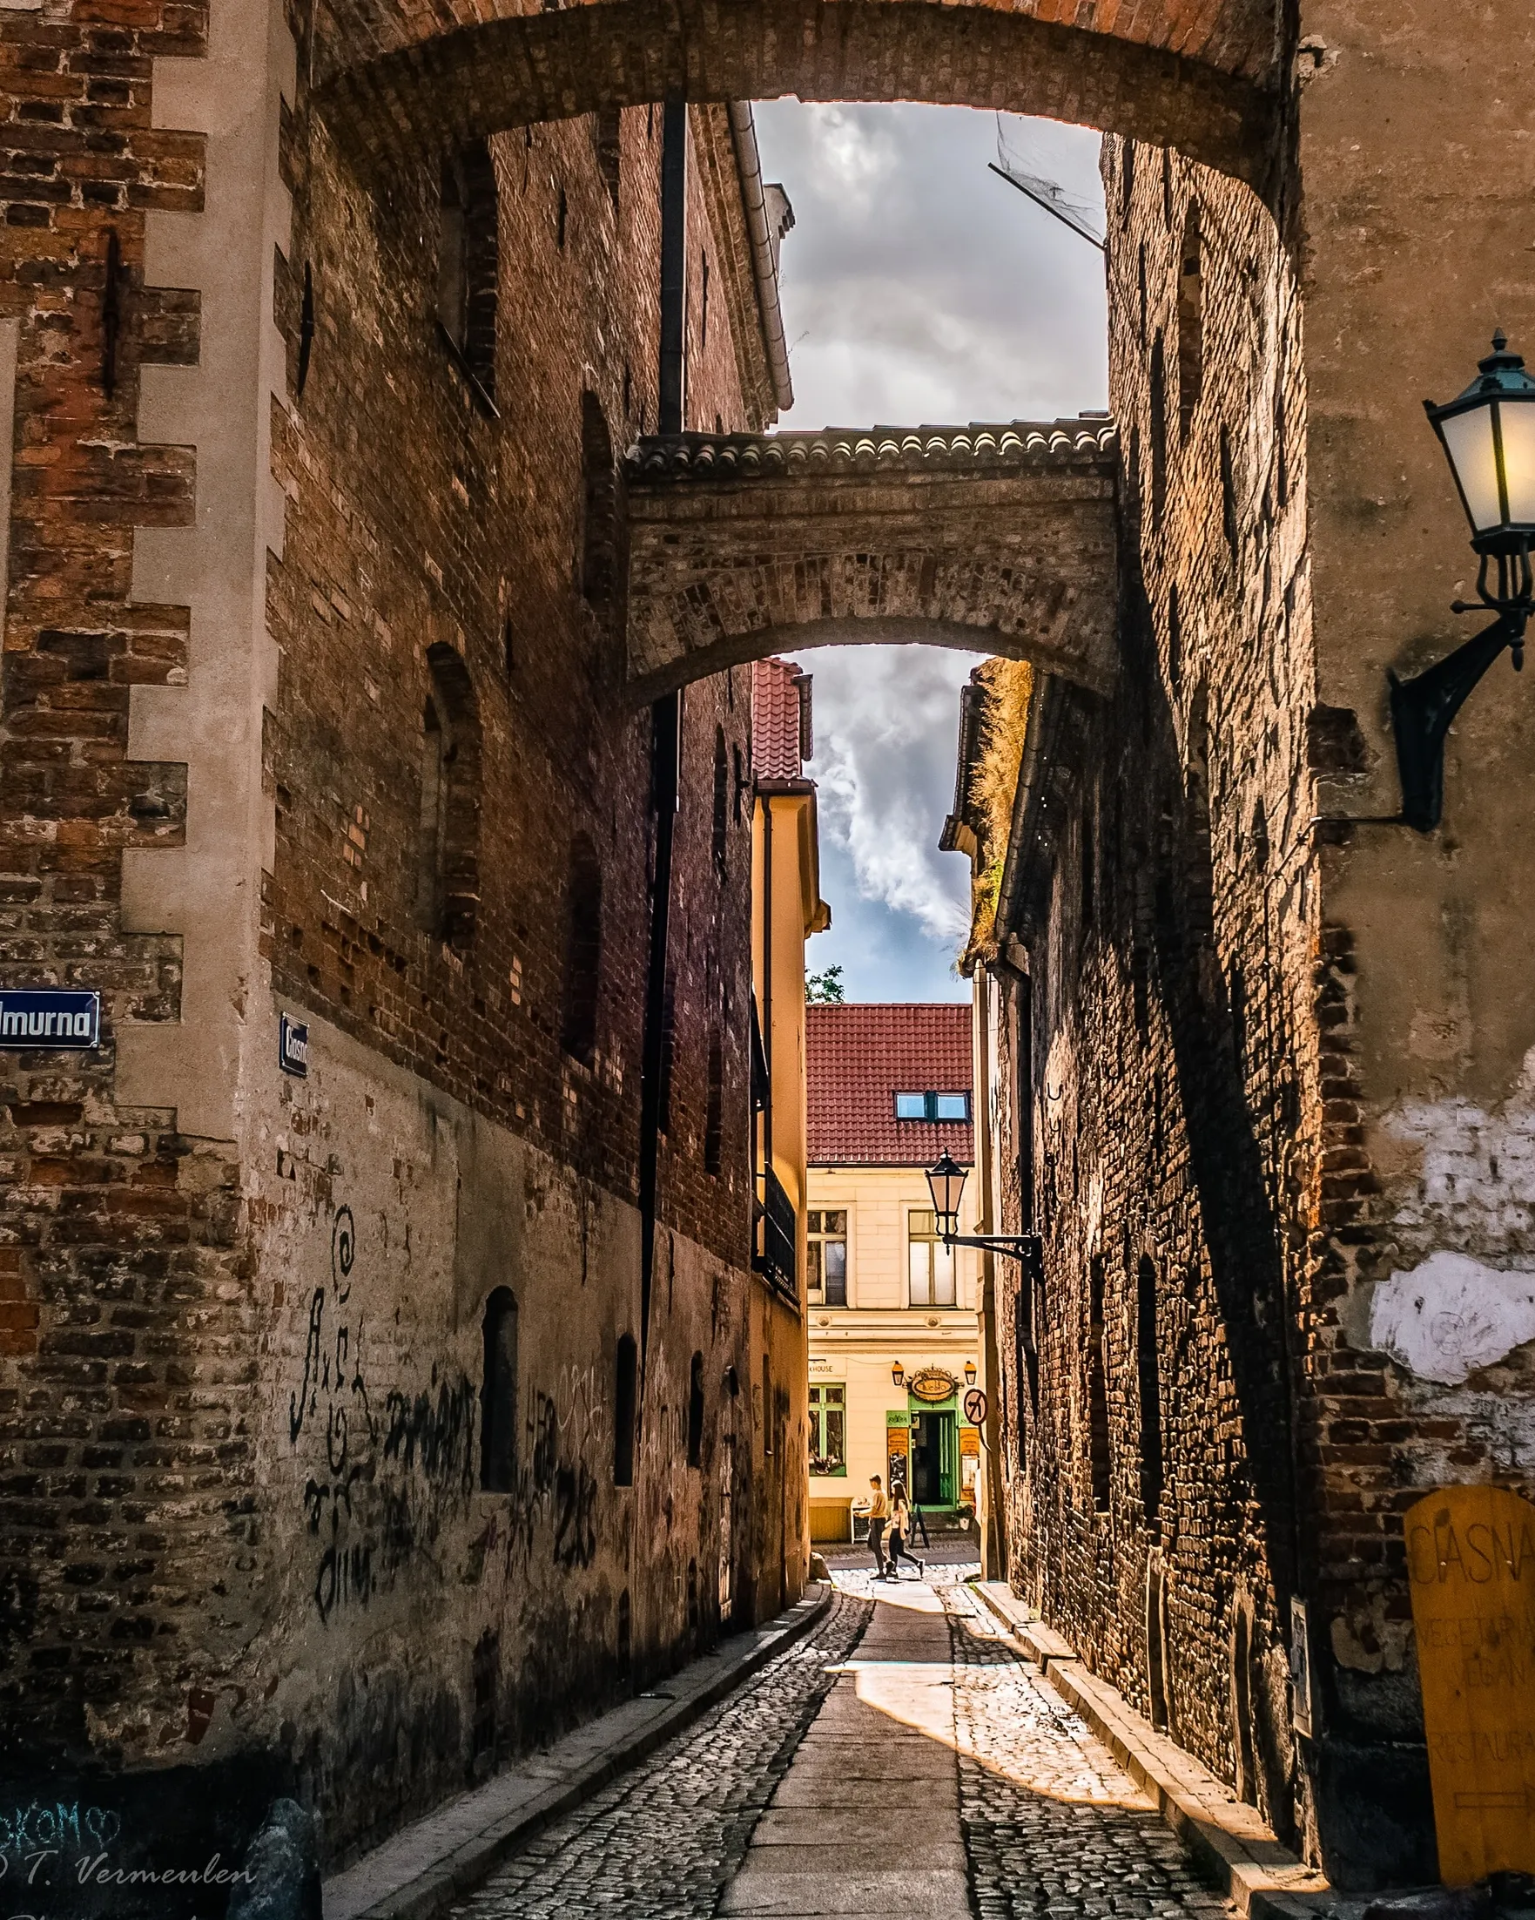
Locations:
(825, 988)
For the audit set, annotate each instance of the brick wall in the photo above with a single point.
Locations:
(1169, 921)
(243, 1530)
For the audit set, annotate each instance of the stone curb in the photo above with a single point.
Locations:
(1230, 1844)
(422, 1870)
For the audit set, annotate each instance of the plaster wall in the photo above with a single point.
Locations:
(411, 1628)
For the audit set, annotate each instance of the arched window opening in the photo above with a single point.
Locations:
(583, 951)
(1158, 431)
(696, 1412)
(714, 1110)
(1281, 449)
(606, 125)
(468, 254)
(767, 1404)
(498, 1395)
(1097, 1389)
(1191, 324)
(721, 800)
(1229, 499)
(448, 847)
(1242, 1702)
(599, 510)
(1149, 1379)
(668, 1051)
(1156, 1641)
(625, 1405)
(1174, 637)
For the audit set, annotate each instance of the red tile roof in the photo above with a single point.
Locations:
(780, 720)
(859, 1057)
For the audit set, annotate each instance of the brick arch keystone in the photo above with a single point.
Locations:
(395, 76)
(1000, 539)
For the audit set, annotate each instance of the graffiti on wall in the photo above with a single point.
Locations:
(385, 1475)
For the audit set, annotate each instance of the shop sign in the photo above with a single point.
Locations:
(932, 1384)
(1471, 1573)
(969, 1440)
(897, 1417)
(823, 1367)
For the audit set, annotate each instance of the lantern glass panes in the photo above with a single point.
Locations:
(1468, 440)
(1488, 433)
(946, 1183)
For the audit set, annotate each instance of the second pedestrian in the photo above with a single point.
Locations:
(900, 1532)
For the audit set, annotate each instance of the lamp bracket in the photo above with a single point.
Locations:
(1027, 1247)
(1422, 709)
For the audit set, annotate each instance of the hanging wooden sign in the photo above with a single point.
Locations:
(1471, 1569)
(933, 1384)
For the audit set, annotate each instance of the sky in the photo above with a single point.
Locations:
(917, 288)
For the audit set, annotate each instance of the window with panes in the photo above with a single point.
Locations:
(826, 1256)
(930, 1262)
(828, 1429)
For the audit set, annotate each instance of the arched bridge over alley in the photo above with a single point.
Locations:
(1172, 72)
(998, 538)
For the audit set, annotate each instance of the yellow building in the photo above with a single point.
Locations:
(786, 909)
(893, 1324)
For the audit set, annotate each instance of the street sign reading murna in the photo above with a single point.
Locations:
(49, 1019)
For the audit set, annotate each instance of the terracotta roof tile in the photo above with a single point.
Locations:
(780, 712)
(1087, 442)
(859, 1057)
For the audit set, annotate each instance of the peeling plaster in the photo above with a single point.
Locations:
(1451, 1315)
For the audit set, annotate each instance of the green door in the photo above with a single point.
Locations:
(934, 1458)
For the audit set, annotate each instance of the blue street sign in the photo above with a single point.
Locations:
(49, 1018)
(293, 1047)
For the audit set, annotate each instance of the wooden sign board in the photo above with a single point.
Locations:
(1471, 1569)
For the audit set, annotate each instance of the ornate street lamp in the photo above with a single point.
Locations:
(969, 1373)
(1488, 435)
(897, 1375)
(946, 1183)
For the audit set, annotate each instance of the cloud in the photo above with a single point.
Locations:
(917, 287)
(886, 720)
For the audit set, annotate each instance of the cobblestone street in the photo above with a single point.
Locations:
(900, 1759)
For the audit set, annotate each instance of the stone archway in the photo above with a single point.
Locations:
(1201, 78)
(1000, 539)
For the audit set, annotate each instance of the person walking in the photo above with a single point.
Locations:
(876, 1507)
(900, 1532)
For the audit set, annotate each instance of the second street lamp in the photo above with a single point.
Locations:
(1488, 435)
(946, 1183)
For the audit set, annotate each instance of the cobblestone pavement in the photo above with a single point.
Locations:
(662, 1841)
(1051, 1828)
(1051, 1825)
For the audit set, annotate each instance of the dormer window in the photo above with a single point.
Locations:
(933, 1106)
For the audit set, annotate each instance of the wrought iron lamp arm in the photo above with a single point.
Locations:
(1423, 707)
(1027, 1247)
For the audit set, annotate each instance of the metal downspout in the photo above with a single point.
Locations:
(666, 713)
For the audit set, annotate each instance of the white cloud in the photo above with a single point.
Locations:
(884, 761)
(917, 288)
